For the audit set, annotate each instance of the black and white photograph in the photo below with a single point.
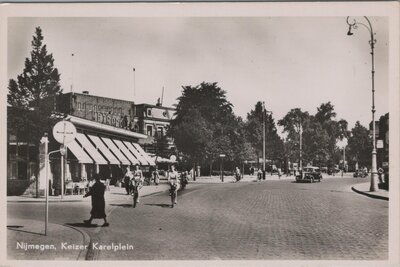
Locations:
(201, 132)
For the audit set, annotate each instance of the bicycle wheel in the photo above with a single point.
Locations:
(135, 197)
(173, 195)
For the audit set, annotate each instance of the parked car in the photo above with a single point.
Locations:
(360, 173)
(309, 174)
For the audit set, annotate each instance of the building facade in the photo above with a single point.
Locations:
(154, 121)
(111, 134)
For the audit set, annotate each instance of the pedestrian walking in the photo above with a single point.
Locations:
(259, 174)
(127, 177)
(138, 176)
(156, 176)
(381, 173)
(237, 174)
(98, 202)
(174, 182)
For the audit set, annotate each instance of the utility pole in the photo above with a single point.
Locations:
(263, 125)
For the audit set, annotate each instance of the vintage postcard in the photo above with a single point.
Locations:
(200, 133)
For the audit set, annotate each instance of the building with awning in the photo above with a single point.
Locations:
(108, 140)
(105, 142)
(104, 150)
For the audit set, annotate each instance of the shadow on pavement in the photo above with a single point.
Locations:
(82, 225)
(160, 205)
(16, 229)
(122, 205)
(122, 194)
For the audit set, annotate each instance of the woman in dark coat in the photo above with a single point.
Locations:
(98, 202)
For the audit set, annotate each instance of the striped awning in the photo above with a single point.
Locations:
(79, 153)
(126, 152)
(104, 149)
(136, 153)
(144, 154)
(116, 151)
(90, 149)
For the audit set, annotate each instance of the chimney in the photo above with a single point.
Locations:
(85, 92)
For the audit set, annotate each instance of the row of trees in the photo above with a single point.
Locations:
(205, 127)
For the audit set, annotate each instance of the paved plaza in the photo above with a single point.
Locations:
(267, 220)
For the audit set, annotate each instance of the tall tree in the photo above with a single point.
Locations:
(254, 130)
(204, 123)
(294, 121)
(38, 83)
(360, 145)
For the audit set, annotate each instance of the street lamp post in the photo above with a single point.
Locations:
(301, 143)
(354, 25)
(265, 112)
(263, 141)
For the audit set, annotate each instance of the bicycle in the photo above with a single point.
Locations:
(135, 184)
(147, 181)
(173, 193)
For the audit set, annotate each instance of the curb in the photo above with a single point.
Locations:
(369, 195)
(86, 241)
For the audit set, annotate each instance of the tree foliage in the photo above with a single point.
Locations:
(360, 145)
(31, 92)
(320, 133)
(204, 123)
(205, 127)
(254, 131)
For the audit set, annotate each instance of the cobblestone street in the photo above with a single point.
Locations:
(267, 220)
(246, 220)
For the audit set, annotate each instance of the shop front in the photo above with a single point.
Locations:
(97, 149)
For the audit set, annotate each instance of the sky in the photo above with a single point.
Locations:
(288, 62)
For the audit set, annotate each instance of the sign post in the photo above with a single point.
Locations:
(45, 141)
(222, 156)
(64, 132)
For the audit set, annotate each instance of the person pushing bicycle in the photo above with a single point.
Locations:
(137, 180)
(173, 180)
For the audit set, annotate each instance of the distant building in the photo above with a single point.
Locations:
(154, 120)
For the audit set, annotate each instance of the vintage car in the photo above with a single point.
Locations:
(360, 173)
(309, 174)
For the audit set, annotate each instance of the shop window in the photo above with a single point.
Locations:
(12, 172)
(149, 130)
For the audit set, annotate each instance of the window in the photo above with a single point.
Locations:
(149, 112)
(149, 130)
(79, 106)
(160, 132)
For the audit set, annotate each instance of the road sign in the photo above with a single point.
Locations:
(64, 132)
(379, 143)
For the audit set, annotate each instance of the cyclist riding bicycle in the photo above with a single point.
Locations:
(137, 180)
(173, 180)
